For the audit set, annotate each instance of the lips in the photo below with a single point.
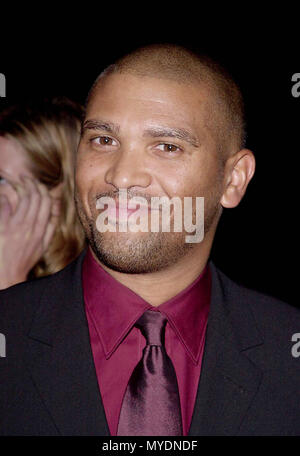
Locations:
(123, 211)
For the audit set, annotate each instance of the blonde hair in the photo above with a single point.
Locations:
(49, 131)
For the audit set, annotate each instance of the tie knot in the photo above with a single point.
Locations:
(152, 325)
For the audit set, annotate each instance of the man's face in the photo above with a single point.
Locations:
(150, 136)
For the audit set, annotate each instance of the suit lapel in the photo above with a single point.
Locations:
(60, 358)
(229, 381)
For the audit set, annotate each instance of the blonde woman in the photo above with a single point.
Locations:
(39, 230)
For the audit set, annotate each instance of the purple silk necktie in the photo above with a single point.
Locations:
(151, 404)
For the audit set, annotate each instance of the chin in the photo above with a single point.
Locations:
(138, 253)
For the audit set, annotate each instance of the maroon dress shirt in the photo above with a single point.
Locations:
(112, 309)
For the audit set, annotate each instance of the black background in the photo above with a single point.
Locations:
(257, 242)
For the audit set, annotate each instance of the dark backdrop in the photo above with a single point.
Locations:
(257, 242)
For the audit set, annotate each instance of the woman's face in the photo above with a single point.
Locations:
(13, 163)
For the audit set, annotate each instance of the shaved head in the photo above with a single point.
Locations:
(225, 115)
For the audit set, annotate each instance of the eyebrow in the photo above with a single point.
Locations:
(91, 124)
(154, 132)
(179, 133)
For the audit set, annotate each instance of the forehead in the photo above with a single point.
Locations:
(129, 98)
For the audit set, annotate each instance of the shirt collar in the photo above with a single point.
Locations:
(114, 308)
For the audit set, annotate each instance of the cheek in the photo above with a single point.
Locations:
(89, 168)
(205, 176)
(85, 173)
(89, 180)
(171, 178)
(192, 179)
(82, 184)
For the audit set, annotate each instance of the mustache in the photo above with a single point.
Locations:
(130, 194)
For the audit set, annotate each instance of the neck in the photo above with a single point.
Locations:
(157, 287)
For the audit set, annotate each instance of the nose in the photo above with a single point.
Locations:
(128, 170)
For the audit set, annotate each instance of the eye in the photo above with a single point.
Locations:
(165, 147)
(104, 141)
(2, 180)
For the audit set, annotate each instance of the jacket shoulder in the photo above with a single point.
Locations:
(19, 302)
(273, 316)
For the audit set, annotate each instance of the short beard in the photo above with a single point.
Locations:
(140, 253)
(151, 252)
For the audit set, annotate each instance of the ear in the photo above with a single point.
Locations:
(56, 192)
(239, 170)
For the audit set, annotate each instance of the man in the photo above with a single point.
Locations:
(142, 334)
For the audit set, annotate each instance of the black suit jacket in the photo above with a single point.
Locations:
(249, 383)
